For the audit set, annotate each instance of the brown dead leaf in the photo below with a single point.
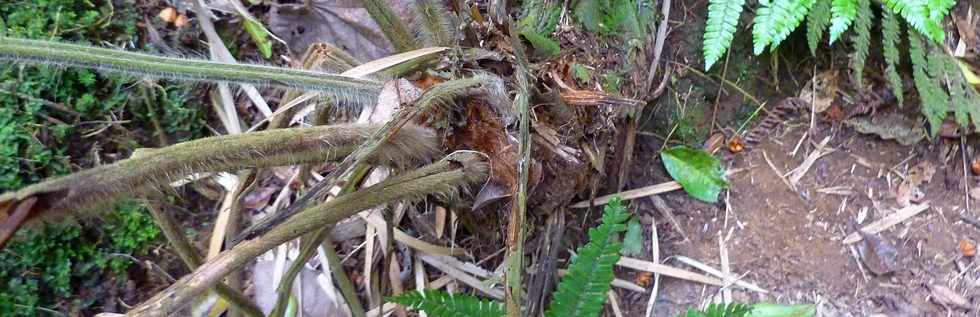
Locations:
(908, 191)
(946, 296)
(343, 23)
(821, 90)
(878, 253)
(890, 126)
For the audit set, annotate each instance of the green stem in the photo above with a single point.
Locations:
(391, 25)
(186, 251)
(516, 228)
(149, 169)
(48, 52)
(346, 286)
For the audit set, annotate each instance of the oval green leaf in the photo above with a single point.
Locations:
(700, 174)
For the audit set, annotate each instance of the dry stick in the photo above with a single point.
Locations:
(189, 255)
(887, 222)
(445, 176)
(638, 192)
(515, 230)
(655, 254)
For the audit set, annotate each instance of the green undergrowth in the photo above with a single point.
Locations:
(54, 120)
(48, 267)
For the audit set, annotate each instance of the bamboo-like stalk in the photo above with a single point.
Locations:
(390, 25)
(515, 229)
(150, 169)
(443, 177)
(48, 52)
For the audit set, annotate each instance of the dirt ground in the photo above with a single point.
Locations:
(789, 242)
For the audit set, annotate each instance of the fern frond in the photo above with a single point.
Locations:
(918, 14)
(720, 310)
(720, 29)
(891, 32)
(963, 98)
(816, 22)
(938, 9)
(862, 41)
(437, 303)
(934, 99)
(844, 12)
(582, 293)
(433, 23)
(775, 20)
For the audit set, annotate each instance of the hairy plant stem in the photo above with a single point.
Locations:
(149, 169)
(515, 231)
(440, 95)
(192, 259)
(391, 25)
(48, 52)
(443, 177)
(308, 247)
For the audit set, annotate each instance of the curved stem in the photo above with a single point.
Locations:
(442, 177)
(149, 169)
(48, 52)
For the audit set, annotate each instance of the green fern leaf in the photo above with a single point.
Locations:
(720, 310)
(816, 22)
(918, 15)
(844, 12)
(891, 33)
(582, 293)
(775, 20)
(862, 41)
(439, 303)
(934, 98)
(964, 99)
(938, 9)
(720, 29)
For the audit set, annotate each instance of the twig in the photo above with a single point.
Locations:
(651, 267)
(716, 272)
(638, 192)
(655, 255)
(887, 222)
(516, 229)
(725, 81)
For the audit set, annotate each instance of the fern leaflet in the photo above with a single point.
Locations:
(964, 99)
(933, 97)
(583, 291)
(720, 310)
(939, 8)
(439, 303)
(775, 20)
(918, 15)
(862, 41)
(891, 33)
(816, 22)
(844, 12)
(720, 29)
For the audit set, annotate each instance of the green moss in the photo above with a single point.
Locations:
(44, 267)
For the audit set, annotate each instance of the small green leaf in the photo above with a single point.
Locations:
(633, 240)
(700, 173)
(543, 46)
(260, 36)
(582, 74)
(775, 310)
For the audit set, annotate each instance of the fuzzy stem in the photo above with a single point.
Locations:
(444, 176)
(192, 260)
(439, 95)
(307, 249)
(390, 24)
(48, 52)
(515, 230)
(149, 169)
(433, 23)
